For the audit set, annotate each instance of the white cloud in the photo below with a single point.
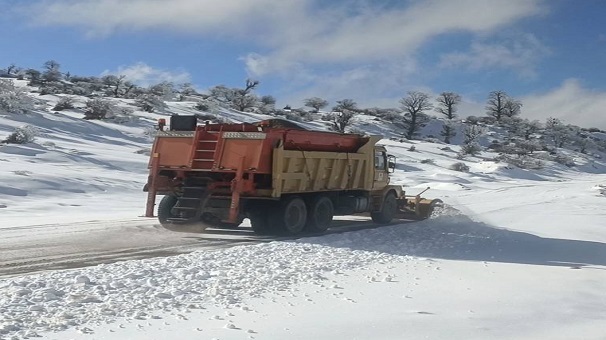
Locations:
(103, 17)
(374, 34)
(307, 31)
(571, 102)
(145, 75)
(378, 84)
(360, 49)
(520, 53)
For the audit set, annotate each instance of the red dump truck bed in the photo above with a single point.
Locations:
(220, 147)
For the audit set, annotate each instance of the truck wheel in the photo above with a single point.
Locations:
(291, 216)
(320, 214)
(165, 208)
(388, 210)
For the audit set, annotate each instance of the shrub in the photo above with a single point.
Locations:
(202, 106)
(459, 166)
(123, 115)
(52, 87)
(64, 103)
(293, 116)
(14, 99)
(149, 102)
(472, 149)
(523, 161)
(473, 120)
(564, 160)
(98, 108)
(22, 135)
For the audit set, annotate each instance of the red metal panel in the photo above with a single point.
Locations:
(322, 141)
(175, 151)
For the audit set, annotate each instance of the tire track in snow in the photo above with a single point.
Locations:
(39, 248)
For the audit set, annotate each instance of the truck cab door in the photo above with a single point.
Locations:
(381, 178)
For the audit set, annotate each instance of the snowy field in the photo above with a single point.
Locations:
(516, 254)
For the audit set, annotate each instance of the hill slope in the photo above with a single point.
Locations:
(516, 254)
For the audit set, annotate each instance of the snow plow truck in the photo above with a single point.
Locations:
(284, 178)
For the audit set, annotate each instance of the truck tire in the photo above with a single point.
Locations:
(320, 214)
(388, 210)
(165, 208)
(290, 217)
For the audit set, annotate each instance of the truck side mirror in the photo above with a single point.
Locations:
(391, 163)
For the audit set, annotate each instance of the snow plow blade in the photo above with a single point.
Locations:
(416, 207)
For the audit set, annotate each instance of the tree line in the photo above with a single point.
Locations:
(413, 113)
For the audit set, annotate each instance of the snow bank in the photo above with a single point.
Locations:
(140, 289)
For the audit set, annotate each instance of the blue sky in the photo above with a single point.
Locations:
(551, 55)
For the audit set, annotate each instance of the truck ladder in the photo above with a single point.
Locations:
(191, 203)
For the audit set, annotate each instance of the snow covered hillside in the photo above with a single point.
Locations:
(515, 254)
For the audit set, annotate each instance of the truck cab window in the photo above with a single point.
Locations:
(380, 160)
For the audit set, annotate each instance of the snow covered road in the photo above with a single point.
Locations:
(473, 278)
(36, 248)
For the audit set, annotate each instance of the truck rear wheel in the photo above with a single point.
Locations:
(320, 214)
(388, 210)
(165, 208)
(290, 217)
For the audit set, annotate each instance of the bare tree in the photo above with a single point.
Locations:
(222, 93)
(555, 129)
(448, 131)
(250, 85)
(346, 104)
(127, 88)
(342, 114)
(51, 72)
(241, 99)
(114, 83)
(447, 105)
(186, 89)
(267, 104)
(495, 106)
(35, 76)
(341, 119)
(11, 68)
(413, 107)
(150, 102)
(315, 103)
(512, 107)
(471, 146)
(165, 90)
(582, 139)
(268, 100)
(244, 99)
(242, 103)
(525, 128)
